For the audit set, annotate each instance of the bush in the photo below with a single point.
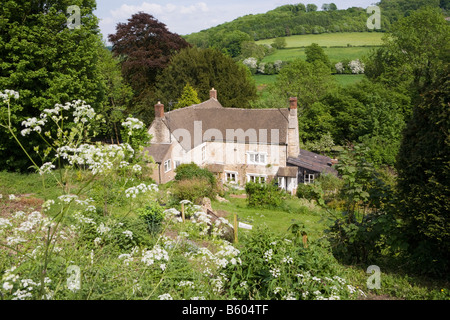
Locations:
(191, 170)
(263, 195)
(193, 183)
(281, 268)
(193, 189)
(153, 215)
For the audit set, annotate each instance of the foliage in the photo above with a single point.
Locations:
(194, 183)
(47, 63)
(263, 195)
(311, 191)
(423, 187)
(205, 69)
(144, 47)
(279, 43)
(315, 53)
(191, 170)
(414, 53)
(118, 95)
(153, 215)
(281, 268)
(193, 189)
(188, 98)
(311, 81)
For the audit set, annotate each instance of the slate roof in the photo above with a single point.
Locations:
(221, 122)
(158, 151)
(313, 161)
(287, 172)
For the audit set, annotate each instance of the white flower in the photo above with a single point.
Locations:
(184, 283)
(5, 223)
(68, 198)
(128, 234)
(137, 168)
(12, 197)
(268, 255)
(97, 241)
(7, 286)
(275, 272)
(132, 124)
(351, 288)
(14, 240)
(287, 260)
(289, 296)
(165, 296)
(102, 228)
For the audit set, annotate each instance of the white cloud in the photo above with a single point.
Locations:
(126, 11)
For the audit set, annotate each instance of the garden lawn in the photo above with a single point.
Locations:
(278, 220)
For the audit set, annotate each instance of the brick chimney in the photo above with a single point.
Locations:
(159, 110)
(293, 131)
(293, 103)
(213, 94)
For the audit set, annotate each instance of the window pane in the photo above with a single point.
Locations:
(262, 158)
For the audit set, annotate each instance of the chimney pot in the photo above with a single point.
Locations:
(293, 102)
(159, 110)
(213, 94)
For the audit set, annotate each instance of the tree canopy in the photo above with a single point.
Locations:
(144, 46)
(46, 62)
(205, 69)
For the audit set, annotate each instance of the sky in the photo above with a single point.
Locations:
(188, 16)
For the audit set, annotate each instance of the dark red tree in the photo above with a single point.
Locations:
(144, 46)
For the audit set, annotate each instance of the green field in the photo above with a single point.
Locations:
(334, 54)
(332, 39)
(337, 46)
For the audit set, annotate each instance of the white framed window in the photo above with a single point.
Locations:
(231, 176)
(176, 164)
(256, 178)
(203, 153)
(257, 158)
(167, 165)
(309, 178)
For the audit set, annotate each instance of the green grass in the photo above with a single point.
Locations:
(334, 54)
(332, 39)
(348, 79)
(279, 219)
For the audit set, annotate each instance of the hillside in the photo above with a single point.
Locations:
(300, 19)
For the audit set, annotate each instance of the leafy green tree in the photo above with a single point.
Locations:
(46, 62)
(314, 52)
(251, 49)
(311, 7)
(310, 81)
(279, 43)
(205, 69)
(424, 180)
(188, 98)
(118, 96)
(414, 53)
(144, 47)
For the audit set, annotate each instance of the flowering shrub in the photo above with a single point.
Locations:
(279, 268)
